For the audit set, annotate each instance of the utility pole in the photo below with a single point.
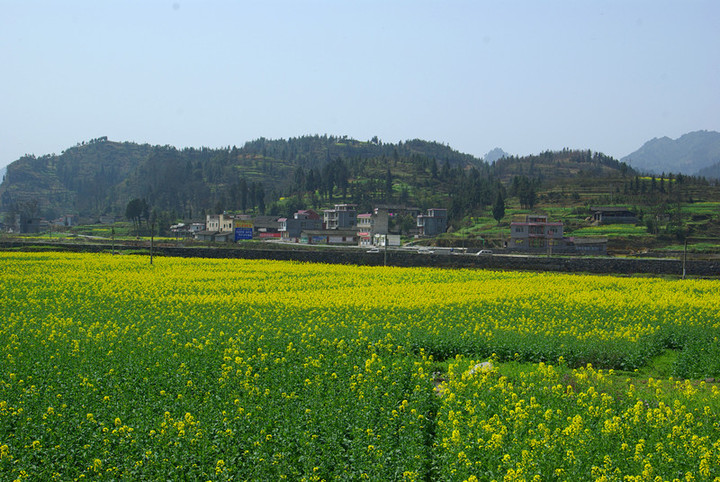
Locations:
(684, 259)
(385, 255)
(152, 232)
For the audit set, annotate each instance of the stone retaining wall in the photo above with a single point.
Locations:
(599, 265)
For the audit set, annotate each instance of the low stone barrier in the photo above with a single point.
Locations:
(403, 258)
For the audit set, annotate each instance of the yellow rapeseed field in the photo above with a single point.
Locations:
(198, 369)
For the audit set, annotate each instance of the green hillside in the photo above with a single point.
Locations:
(100, 177)
(278, 177)
(670, 210)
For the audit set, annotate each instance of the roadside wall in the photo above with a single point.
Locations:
(599, 265)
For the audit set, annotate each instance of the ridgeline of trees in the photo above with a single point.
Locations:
(278, 177)
(263, 176)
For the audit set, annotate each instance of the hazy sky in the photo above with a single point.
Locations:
(525, 76)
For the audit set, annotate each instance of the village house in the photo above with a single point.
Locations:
(380, 220)
(432, 223)
(342, 216)
(330, 236)
(187, 230)
(266, 227)
(218, 222)
(613, 215)
(398, 210)
(291, 228)
(224, 237)
(381, 240)
(389, 215)
(218, 228)
(67, 220)
(589, 245)
(535, 232)
(374, 228)
(365, 222)
(33, 225)
(365, 229)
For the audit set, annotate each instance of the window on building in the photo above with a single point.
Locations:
(537, 243)
(535, 230)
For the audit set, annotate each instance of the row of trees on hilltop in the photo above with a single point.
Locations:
(280, 176)
(555, 165)
(325, 168)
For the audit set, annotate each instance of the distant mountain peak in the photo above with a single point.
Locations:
(494, 155)
(689, 154)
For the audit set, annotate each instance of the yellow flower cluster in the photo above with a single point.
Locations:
(579, 425)
(231, 369)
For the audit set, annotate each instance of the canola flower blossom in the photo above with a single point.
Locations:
(231, 369)
(548, 424)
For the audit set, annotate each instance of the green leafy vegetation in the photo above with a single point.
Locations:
(237, 369)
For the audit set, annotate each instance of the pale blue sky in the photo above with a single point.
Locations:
(524, 75)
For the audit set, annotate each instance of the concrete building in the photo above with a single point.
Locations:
(218, 222)
(589, 245)
(266, 227)
(343, 216)
(330, 236)
(187, 229)
(535, 232)
(306, 219)
(365, 222)
(432, 223)
(218, 228)
(613, 215)
(390, 239)
(66, 220)
(32, 225)
(388, 216)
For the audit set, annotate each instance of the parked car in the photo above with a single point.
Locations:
(373, 250)
(484, 251)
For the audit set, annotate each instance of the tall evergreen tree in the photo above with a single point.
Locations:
(260, 196)
(136, 210)
(388, 185)
(498, 207)
(243, 188)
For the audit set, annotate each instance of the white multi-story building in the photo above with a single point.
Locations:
(219, 222)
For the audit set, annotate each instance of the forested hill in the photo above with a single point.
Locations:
(100, 176)
(558, 165)
(277, 177)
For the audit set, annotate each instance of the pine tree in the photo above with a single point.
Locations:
(498, 207)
